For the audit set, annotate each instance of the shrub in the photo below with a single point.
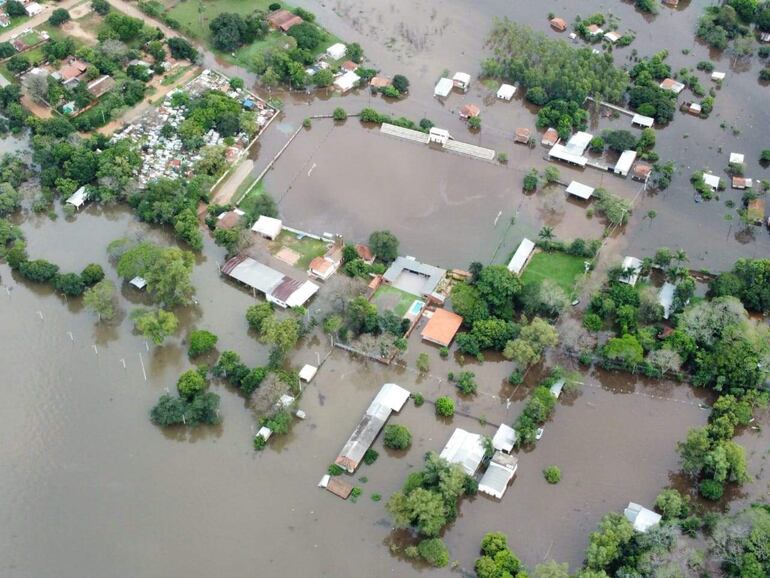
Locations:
(434, 552)
(585, 358)
(516, 377)
(70, 284)
(58, 17)
(307, 123)
(397, 437)
(552, 474)
(474, 122)
(423, 363)
(592, 322)
(530, 181)
(274, 6)
(671, 504)
(444, 352)
(401, 83)
(418, 399)
(92, 274)
(201, 341)
(711, 489)
(259, 443)
(339, 114)
(466, 382)
(445, 406)
(335, 470)
(190, 384)
(370, 456)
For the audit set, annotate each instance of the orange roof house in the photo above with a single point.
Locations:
(379, 82)
(559, 24)
(283, 20)
(349, 65)
(442, 327)
(469, 111)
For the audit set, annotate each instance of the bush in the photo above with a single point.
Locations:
(443, 352)
(552, 474)
(434, 552)
(259, 443)
(58, 17)
(423, 363)
(401, 83)
(190, 384)
(671, 504)
(101, 7)
(445, 406)
(474, 122)
(466, 382)
(274, 6)
(335, 470)
(370, 456)
(339, 114)
(516, 377)
(418, 399)
(530, 181)
(92, 274)
(592, 322)
(70, 284)
(201, 341)
(711, 489)
(397, 437)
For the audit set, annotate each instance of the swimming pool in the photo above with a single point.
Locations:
(416, 307)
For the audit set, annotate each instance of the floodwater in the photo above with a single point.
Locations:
(92, 488)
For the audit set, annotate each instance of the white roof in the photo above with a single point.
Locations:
(580, 190)
(78, 198)
(301, 295)
(711, 180)
(631, 263)
(666, 298)
(505, 438)
(286, 400)
(256, 275)
(267, 227)
(138, 282)
(347, 81)
(462, 77)
(307, 373)
(717, 75)
(625, 161)
(506, 91)
(561, 153)
(495, 480)
(443, 87)
(464, 448)
(578, 143)
(265, 433)
(736, 158)
(440, 132)
(612, 36)
(642, 120)
(556, 388)
(392, 396)
(521, 255)
(336, 51)
(675, 86)
(641, 518)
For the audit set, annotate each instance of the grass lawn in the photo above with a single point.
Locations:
(247, 204)
(388, 297)
(562, 268)
(308, 248)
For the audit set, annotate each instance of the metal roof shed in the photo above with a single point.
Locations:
(557, 388)
(443, 87)
(736, 158)
(521, 256)
(711, 180)
(268, 227)
(578, 142)
(643, 121)
(300, 296)
(506, 92)
(580, 190)
(640, 517)
(625, 162)
(78, 198)
(495, 480)
(466, 449)
(719, 76)
(392, 396)
(505, 438)
(560, 153)
(307, 373)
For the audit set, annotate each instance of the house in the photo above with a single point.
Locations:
(390, 398)
(718, 76)
(642, 121)
(336, 51)
(640, 517)
(736, 158)
(462, 80)
(673, 3)
(365, 253)
(504, 439)
(561, 153)
(469, 111)
(442, 327)
(612, 36)
(337, 486)
(138, 282)
(101, 86)
(349, 65)
(74, 69)
(521, 256)
(413, 277)
(283, 20)
(631, 269)
(711, 181)
(624, 163)
(229, 219)
(755, 212)
(499, 474)
(268, 227)
(558, 24)
(379, 82)
(438, 135)
(33, 9)
(580, 190)
(325, 266)
(641, 172)
(692, 108)
(506, 92)
(78, 198)
(578, 143)
(594, 30)
(522, 135)
(550, 138)
(443, 87)
(277, 287)
(466, 449)
(741, 183)
(346, 81)
(666, 298)
(672, 85)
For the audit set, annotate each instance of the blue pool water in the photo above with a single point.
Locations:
(416, 308)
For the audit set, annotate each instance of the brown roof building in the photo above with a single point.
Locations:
(442, 327)
(559, 24)
(283, 20)
(641, 172)
(74, 69)
(349, 65)
(522, 135)
(365, 253)
(101, 86)
(469, 111)
(379, 82)
(550, 137)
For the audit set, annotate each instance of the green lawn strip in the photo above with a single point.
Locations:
(247, 204)
(405, 299)
(307, 247)
(562, 268)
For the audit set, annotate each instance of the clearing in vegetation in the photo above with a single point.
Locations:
(561, 268)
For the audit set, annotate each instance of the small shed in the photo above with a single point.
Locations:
(550, 137)
(469, 111)
(580, 190)
(640, 517)
(462, 80)
(711, 181)
(442, 327)
(694, 108)
(506, 92)
(265, 433)
(624, 163)
(438, 135)
(612, 36)
(443, 87)
(504, 439)
(742, 183)
(522, 135)
(736, 158)
(307, 373)
(557, 388)
(718, 76)
(642, 121)
(558, 24)
(78, 198)
(521, 256)
(347, 81)
(138, 282)
(268, 227)
(336, 51)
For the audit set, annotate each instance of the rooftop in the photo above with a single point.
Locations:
(442, 327)
(466, 449)
(430, 276)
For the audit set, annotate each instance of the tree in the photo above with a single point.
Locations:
(626, 350)
(397, 437)
(323, 78)
(384, 245)
(15, 8)
(552, 474)
(282, 335)
(468, 303)
(101, 299)
(497, 286)
(256, 315)
(530, 181)
(445, 406)
(101, 7)
(58, 17)
(10, 199)
(37, 85)
(544, 297)
(168, 277)
(307, 35)
(466, 382)
(619, 140)
(551, 569)
(190, 384)
(671, 504)
(180, 48)
(400, 83)
(616, 209)
(694, 451)
(70, 284)
(423, 363)
(155, 326)
(665, 360)
(92, 274)
(434, 552)
(546, 233)
(606, 544)
(227, 31)
(745, 8)
(532, 342)
(201, 341)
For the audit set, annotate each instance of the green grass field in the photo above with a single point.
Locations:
(388, 297)
(308, 248)
(562, 268)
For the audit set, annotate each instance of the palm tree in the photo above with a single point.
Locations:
(546, 233)
(681, 257)
(647, 264)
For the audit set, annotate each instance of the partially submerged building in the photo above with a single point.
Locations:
(712, 181)
(229, 219)
(337, 51)
(506, 92)
(522, 135)
(504, 439)
(625, 162)
(521, 256)
(558, 24)
(347, 81)
(413, 277)
(580, 190)
(672, 85)
(462, 80)
(641, 172)
(499, 474)
(631, 269)
(466, 449)
(78, 198)
(469, 111)
(276, 287)
(557, 388)
(641, 121)
(443, 87)
(390, 398)
(442, 327)
(573, 151)
(550, 137)
(640, 517)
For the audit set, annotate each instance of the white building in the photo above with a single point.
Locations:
(346, 81)
(640, 517)
(443, 87)
(33, 9)
(268, 227)
(464, 448)
(78, 198)
(499, 474)
(505, 438)
(580, 190)
(438, 135)
(736, 158)
(521, 256)
(625, 162)
(506, 92)
(634, 267)
(336, 51)
(711, 181)
(462, 80)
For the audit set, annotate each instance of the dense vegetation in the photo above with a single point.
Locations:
(192, 407)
